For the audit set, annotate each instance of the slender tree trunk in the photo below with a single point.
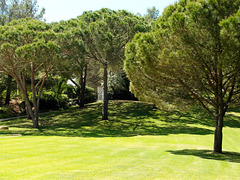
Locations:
(35, 111)
(84, 81)
(25, 90)
(105, 100)
(9, 88)
(81, 98)
(83, 86)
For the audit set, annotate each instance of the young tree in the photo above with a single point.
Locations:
(192, 55)
(28, 48)
(106, 33)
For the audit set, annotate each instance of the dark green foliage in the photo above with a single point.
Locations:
(90, 95)
(49, 101)
(2, 88)
(118, 84)
(71, 92)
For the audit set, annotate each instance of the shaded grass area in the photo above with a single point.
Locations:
(4, 114)
(126, 119)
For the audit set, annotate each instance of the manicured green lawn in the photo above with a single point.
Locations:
(138, 142)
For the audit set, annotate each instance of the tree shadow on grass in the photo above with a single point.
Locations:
(207, 154)
(126, 119)
(198, 116)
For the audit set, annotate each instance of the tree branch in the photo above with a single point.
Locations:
(197, 98)
(74, 83)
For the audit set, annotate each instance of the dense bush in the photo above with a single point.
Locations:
(90, 95)
(6, 110)
(122, 95)
(49, 101)
(71, 92)
(119, 87)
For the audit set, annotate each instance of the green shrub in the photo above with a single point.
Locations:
(90, 95)
(49, 101)
(6, 110)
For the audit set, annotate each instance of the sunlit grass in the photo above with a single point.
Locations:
(137, 142)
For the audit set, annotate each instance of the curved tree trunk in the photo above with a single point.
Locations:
(27, 103)
(105, 101)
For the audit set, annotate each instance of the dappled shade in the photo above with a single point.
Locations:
(127, 118)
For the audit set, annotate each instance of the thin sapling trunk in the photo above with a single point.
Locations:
(105, 100)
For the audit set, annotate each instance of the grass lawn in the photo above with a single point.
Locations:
(138, 142)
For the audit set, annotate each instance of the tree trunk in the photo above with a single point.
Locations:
(8, 93)
(25, 89)
(105, 100)
(83, 86)
(81, 98)
(218, 135)
(35, 111)
(29, 107)
(28, 104)
(21, 85)
(27, 112)
(35, 122)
